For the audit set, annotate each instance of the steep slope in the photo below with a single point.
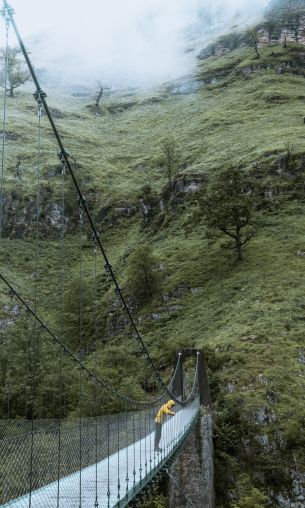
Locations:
(248, 316)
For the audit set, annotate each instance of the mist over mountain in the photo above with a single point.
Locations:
(127, 42)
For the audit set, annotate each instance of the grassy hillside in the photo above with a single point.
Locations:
(249, 316)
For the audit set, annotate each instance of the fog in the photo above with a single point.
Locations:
(136, 42)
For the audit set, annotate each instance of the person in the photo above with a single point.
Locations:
(163, 411)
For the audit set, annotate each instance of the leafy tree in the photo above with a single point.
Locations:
(273, 29)
(144, 275)
(17, 74)
(156, 499)
(252, 39)
(249, 495)
(231, 40)
(228, 207)
(293, 23)
(169, 151)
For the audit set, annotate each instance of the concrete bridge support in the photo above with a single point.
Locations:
(191, 480)
(193, 472)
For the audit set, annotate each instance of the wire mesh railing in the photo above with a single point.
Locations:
(127, 440)
(15, 446)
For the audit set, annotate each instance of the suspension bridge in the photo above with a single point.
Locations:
(92, 445)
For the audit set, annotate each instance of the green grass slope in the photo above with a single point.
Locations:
(248, 316)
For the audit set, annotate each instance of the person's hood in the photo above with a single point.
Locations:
(170, 403)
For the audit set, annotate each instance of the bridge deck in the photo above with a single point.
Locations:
(137, 462)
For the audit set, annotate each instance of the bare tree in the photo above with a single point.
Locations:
(99, 94)
(252, 39)
(18, 169)
(17, 73)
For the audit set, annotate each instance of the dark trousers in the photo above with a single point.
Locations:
(158, 433)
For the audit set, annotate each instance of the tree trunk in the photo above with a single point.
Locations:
(99, 96)
(11, 90)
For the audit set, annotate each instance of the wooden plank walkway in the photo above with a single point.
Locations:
(136, 462)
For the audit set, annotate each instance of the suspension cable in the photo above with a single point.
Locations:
(92, 376)
(35, 334)
(9, 12)
(81, 304)
(7, 23)
(95, 365)
(62, 281)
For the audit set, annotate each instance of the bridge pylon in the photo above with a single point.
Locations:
(204, 389)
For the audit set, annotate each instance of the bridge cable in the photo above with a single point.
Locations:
(7, 24)
(39, 95)
(96, 504)
(118, 454)
(95, 234)
(108, 460)
(127, 454)
(91, 375)
(28, 365)
(36, 275)
(9, 376)
(61, 283)
(62, 347)
(81, 306)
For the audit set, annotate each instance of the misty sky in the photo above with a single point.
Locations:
(132, 40)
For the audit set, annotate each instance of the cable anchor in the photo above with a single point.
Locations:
(63, 156)
(95, 237)
(39, 97)
(7, 12)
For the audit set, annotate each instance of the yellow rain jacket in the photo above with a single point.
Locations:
(165, 410)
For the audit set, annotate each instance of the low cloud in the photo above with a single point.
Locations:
(131, 41)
